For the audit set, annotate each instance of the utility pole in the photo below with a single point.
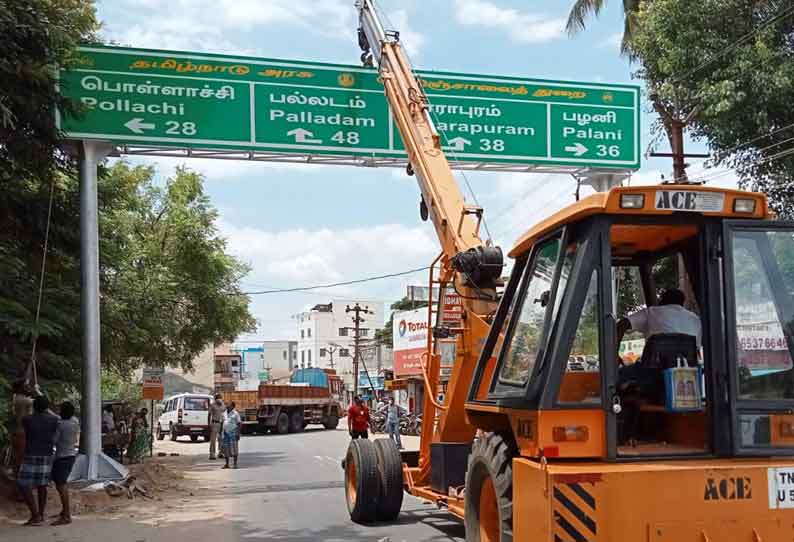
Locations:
(357, 320)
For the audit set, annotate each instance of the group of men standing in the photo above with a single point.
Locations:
(45, 447)
(225, 425)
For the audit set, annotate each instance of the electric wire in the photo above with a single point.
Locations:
(344, 283)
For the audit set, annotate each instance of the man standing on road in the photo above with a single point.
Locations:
(231, 434)
(358, 419)
(65, 454)
(217, 411)
(393, 422)
(36, 466)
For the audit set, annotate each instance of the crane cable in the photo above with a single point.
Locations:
(32, 369)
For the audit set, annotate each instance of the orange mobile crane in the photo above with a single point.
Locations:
(546, 433)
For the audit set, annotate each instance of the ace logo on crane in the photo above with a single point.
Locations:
(728, 489)
(689, 201)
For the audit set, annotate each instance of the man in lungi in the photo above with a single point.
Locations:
(36, 468)
(231, 434)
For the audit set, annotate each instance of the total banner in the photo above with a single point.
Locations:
(410, 341)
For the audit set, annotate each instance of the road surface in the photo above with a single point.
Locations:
(288, 488)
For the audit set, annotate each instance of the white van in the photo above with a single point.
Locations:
(185, 414)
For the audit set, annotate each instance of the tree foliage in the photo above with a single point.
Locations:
(728, 65)
(168, 288)
(581, 10)
(37, 37)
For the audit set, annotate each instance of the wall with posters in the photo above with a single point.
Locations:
(410, 341)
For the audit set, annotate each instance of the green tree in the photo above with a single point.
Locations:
(169, 288)
(385, 336)
(583, 9)
(37, 37)
(728, 65)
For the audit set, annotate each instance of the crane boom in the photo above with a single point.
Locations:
(472, 267)
(453, 219)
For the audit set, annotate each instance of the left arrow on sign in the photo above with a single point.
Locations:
(138, 126)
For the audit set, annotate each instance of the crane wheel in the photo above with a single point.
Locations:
(489, 490)
(390, 469)
(362, 481)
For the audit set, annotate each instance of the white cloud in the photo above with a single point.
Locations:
(521, 26)
(297, 257)
(410, 39)
(216, 25)
(612, 41)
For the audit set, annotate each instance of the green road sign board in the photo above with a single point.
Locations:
(203, 101)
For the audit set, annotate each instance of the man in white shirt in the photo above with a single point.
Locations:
(231, 434)
(669, 316)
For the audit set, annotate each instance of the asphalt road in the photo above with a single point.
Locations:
(288, 488)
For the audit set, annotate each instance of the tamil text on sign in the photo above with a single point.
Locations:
(203, 101)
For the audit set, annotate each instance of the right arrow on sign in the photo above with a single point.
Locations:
(302, 135)
(457, 144)
(578, 149)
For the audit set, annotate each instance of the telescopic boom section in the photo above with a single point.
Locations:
(474, 268)
(457, 231)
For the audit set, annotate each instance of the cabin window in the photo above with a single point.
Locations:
(529, 331)
(581, 382)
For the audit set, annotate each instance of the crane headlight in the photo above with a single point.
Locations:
(632, 201)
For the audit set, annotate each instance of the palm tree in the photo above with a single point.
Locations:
(582, 9)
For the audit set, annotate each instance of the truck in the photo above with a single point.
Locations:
(313, 396)
(692, 440)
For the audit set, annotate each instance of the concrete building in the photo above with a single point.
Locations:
(325, 334)
(259, 363)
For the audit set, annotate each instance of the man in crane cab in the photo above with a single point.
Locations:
(669, 316)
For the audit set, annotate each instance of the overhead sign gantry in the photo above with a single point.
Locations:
(178, 103)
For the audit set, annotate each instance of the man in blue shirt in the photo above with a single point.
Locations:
(393, 422)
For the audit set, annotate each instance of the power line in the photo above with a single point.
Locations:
(345, 283)
(735, 44)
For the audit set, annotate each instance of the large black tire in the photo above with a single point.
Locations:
(390, 469)
(331, 421)
(362, 481)
(282, 424)
(296, 421)
(172, 432)
(490, 476)
(160, 434)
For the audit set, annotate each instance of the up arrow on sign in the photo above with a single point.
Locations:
(302, 135)
(578, 149)
(457, 144)
(138, 126)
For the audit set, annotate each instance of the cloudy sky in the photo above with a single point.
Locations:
(299, 225)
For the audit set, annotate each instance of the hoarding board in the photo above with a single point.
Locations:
(409, 332)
